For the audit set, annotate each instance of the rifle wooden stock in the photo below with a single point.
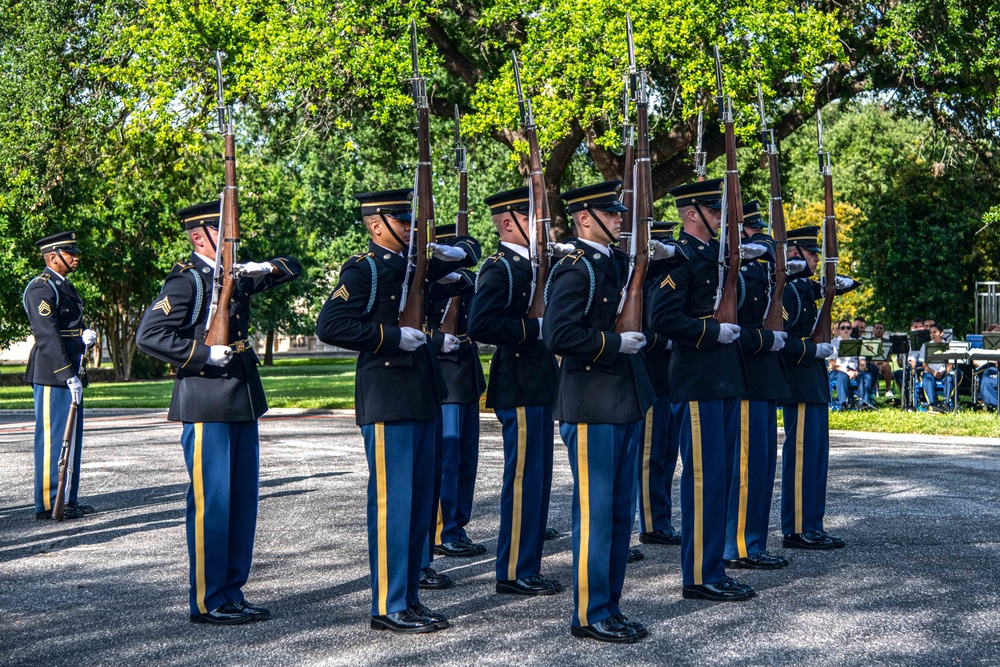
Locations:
(774, 320)
(726, 312)
(540, 201)
(630, 317)
(229, 238)
(822, 333)
(413, 312)
(65, 460)
(449, 323)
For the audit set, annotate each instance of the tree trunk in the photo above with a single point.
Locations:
(269, 348)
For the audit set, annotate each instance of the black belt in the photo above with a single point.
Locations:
(70, 333)
(240, 346)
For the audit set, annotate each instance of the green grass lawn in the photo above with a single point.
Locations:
(329, 383)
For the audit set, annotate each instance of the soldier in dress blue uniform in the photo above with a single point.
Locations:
(601, 398)
(756, 456)
(706, 379)
(463, 375)
(398, 393)
(55, 369)
(219, 398)
(521, 388)
(661, 432)
(806, 451)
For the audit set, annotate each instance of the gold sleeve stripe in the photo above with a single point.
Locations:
(604, 342)
(194, 344)
(704, 328)
(283, 265)
(381, 333)
(62, 369)
(524, 331)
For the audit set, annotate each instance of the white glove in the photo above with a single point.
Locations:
(540, 328)
(632, 342)
(89, 337)
(220, 355)
(795, 266)
(561, 249)
(753, 250)
(779, 341)
(844, 283)
(660, 250)
(728, 333)
(446, 252)
(452, 277)
(410, 339)
(75, 389)
(253, 269)
(824, 350)
(450, 343)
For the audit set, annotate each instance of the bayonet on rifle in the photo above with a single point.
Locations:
(527, 119)
(700, 156)
(459, 146)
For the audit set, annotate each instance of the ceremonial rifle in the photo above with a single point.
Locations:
(66, 458)
(449, 321)
(732, 218)
(773, 318)
(224, 278)
(700, 156)
(411, 310)
(828, 279)
(538, 204)
(640, 209)
(628, 143)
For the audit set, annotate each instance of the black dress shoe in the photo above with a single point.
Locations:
(637, 627)
(666, 536)
(455, 549)
(86, 509)
(551, 534)
(838, 542)
(758, 561)
(227, 614)
(727, 590)
(256, 613)
(780, 559)
(68, 513)
(536, 584)
(608, 630)
(635, 555)
(480, 548)
(407, 621)
(437, 619)
(429, 579)
(807, 541)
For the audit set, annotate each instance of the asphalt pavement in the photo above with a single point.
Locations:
(916, 585)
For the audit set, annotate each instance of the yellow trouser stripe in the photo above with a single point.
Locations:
(699, 490)
(741, 516)
(515, 523)
(197, 481)
(800, 433)
(440, 524)
(583, 567)
(383, 509)
(47, 424)
(647, 451)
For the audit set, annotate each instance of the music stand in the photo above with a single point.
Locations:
(948, 353)
(857, 348)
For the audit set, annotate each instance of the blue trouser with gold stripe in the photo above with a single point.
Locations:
(460, 458)
(755, 461)
(51, 412)
(603, 460)
(805, 459)
(223, 463)
(657, 462)
(709, 431)
(400, 505)
(432, 527)
(527, 484)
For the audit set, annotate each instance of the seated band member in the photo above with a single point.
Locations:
(521, 387)
(934, 372)
(916, 324)
(218, 396)
(398, 393)
(602, 395)
(881, 369)
(706, 378)
(844, 370)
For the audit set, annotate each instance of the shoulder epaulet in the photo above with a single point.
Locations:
(180, 267)
(682, 249)
(358, 257)
(496, 257)
(574, 256)
(44, 278)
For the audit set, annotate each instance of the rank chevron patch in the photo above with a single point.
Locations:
(341, 293)
(164, 305)
(44, 309)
